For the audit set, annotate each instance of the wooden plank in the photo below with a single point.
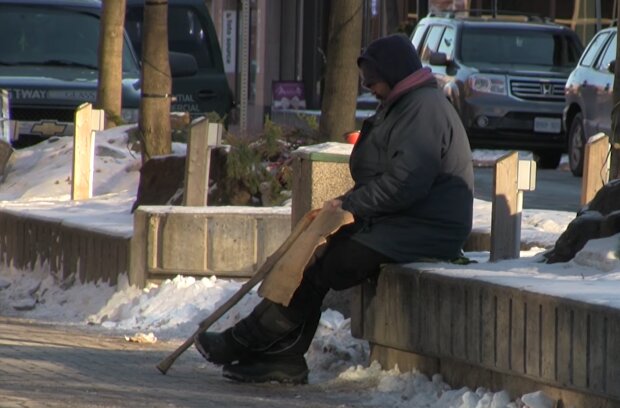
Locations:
(580, 347)
(83, 154)
(548, 345)
(597, 345)
(489, 328)
(399, 317)
(429, 315)
(564, 345)
(473, 324)
(517, 349)
(504, 333)
(533, 338)
(595, 167)
(612, 382)
(445, 319)
(505, 216)
(197, 164)
(459, 321)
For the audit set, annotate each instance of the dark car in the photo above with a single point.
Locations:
(48, 63)
(589, 96)
(190, 31)
(505, 78)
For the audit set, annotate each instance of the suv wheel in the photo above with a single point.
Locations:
(576, 145)
(548, 159)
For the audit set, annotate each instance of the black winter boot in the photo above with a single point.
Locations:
(220, 348)
(267, 324)
(283, 362)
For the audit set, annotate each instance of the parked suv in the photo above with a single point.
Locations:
(505, 78)
(190, 31)
(48, 63)
(589, 96)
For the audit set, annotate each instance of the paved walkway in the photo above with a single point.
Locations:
(48, 366)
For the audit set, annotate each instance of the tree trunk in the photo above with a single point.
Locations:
(154, 120)
(614, 169)
(109, 88)
(341, 73)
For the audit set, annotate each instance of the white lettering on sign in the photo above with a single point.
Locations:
(28, 94)
(184, 98)
(229, 40)
(62, 94)
(184, 107)
(74, 95)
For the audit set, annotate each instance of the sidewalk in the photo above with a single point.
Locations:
(49, 366)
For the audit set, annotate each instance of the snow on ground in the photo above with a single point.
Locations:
(38, 182)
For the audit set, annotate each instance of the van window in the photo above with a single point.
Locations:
(595, 46)
(52, 36)
(186, 33)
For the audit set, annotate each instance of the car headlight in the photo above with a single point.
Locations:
(130, 115)
(487, 83)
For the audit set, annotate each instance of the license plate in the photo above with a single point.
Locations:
(547, 125)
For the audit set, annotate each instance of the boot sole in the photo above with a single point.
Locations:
(277, 376)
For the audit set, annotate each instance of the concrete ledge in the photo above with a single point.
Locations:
(503, 332)
(201, 241)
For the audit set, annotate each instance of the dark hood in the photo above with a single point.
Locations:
(393, 58)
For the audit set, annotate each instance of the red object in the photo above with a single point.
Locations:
(352, 137)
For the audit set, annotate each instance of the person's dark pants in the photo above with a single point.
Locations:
(339, 264)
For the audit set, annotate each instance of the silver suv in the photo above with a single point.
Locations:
(505, 78)
(589, 96)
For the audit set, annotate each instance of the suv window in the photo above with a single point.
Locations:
(432, 42)
(417, 36)
(447, 42)
(593, 49)
(517, 47)
(609, 55)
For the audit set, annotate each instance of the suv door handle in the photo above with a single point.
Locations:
(206, 94)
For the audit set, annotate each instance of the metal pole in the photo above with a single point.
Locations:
(245, 66)
(597, 12)
(422, 9)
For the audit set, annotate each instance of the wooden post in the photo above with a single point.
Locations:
(203, 135)
(87, 122)
(83, 152)
(595, 167)
(512, 176)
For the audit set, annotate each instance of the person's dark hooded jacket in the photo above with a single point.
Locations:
(412, 165)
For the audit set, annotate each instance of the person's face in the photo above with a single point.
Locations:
(379, 89)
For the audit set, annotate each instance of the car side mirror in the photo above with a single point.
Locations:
(612, 66)
(438, 58)
(182, 64)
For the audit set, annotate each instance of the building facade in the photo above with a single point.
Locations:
(267, 42)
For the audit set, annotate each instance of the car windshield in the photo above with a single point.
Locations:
(52, 37)
(518, 47)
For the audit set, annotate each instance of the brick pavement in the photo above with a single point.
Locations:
(49, 366)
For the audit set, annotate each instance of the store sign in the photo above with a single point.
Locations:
(229, 46)
(288, 95)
